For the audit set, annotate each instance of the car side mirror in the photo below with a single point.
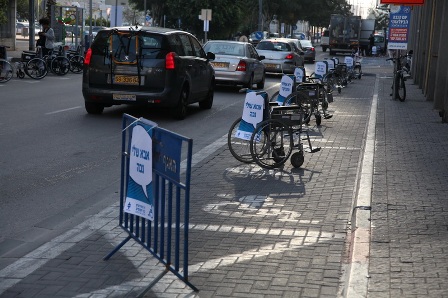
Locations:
(210, 56)
(261, 57)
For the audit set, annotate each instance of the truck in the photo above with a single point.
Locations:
(344, 33)
(325, 40)
(367, 28)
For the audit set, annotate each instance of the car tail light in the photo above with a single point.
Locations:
(241, 66)
(290, 56)
(169, 61)
(88, 57)
(312, 49)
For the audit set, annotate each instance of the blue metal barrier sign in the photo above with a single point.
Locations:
(167, 154)
(154, 204)
(139, 192)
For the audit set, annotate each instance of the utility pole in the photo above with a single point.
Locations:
(31, 27)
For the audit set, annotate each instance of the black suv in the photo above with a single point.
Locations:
(149, 66)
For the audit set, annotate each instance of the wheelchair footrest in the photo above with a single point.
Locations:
(317, 149)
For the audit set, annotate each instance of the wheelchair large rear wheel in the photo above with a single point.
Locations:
(271, 143)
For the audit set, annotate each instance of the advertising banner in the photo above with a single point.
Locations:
(399, 22)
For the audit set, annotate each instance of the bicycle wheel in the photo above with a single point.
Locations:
(36, 69)
(271, 143)
(60, 65)
(6, 71)
(400, 88)
(239, 145)
(76, 63)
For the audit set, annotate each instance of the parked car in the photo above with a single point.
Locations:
(236, 63)
(308, 48)
(281, 55)
(20, 26)
(149, 66)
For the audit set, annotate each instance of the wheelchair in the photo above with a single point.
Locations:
(274, 139)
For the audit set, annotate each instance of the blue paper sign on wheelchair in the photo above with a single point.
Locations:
(331, 63)
(320, 69)
(299, 73)
(349, 61)
(252, 114)
(286, 86)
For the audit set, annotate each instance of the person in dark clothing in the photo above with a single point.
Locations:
(371, 43)
(46, 37)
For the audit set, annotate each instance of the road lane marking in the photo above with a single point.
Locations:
(64, 110)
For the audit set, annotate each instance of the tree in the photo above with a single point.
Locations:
(381, 14)
(232, 16)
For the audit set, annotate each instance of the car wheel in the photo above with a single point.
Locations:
(180, 112)
(260, 85)
(208, 102)
(250, 84)
(94, 108)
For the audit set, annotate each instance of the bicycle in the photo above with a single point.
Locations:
(400, 75)
(6, 68)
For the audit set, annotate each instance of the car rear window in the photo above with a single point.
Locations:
(126, 47)
(306, 43)
(232, 49)
(274, 46)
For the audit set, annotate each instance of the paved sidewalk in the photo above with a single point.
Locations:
(285, 232)
(409, 202)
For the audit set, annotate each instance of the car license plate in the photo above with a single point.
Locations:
(220, 64)
(271, 66)
(127, 80)
(126, 97)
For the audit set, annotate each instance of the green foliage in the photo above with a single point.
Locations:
(232, 16)
(4, 4)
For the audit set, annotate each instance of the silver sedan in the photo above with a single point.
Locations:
(281, 55)
(236, 63)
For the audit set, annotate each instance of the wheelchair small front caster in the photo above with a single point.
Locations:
(297, 159)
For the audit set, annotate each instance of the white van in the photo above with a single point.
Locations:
(325, 40)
